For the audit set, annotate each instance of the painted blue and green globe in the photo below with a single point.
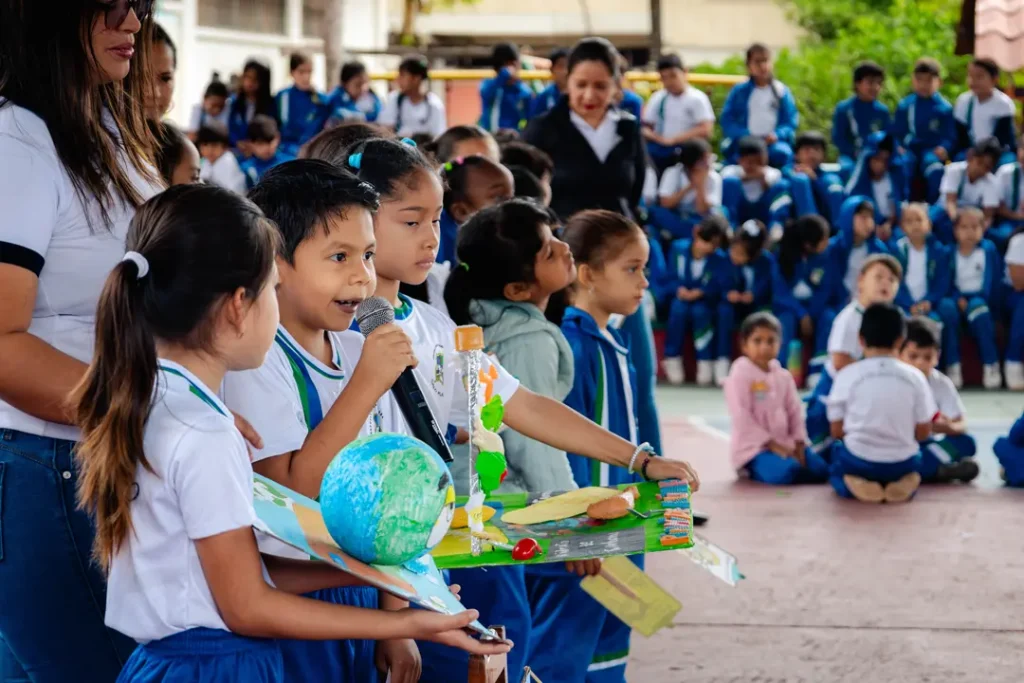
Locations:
(387, 499)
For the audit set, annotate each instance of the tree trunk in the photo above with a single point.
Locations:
(655, 42)
(334, 49)
(411, 8)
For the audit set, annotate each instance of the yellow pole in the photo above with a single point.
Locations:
(632, 76)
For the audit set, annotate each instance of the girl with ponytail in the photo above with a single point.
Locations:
(167, 475)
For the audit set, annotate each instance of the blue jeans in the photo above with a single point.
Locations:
(52, 596)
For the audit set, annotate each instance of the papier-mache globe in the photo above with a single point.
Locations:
(387, 499)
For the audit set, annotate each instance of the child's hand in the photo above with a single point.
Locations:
(771, 138)
(665, 468)
(747, 298)
(800, 453)
(683, 294)
(249, 432)
(780, 450)
(734, 297)
(584, 567)
(941, 153)
(386, 353)
(962, 303)
(806, 326)
(448, 630)
(400, 659)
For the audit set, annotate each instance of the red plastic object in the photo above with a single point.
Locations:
(525, 549)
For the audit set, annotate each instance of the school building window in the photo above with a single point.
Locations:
(314, 12)
(257, 16)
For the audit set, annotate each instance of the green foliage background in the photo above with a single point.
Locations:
(840, 33)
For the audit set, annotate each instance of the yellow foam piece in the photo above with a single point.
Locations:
(563, 506)
(460, 520)
(459, 542)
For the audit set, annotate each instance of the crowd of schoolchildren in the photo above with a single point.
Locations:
(456, 229)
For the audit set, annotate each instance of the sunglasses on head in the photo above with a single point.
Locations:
(117, 11)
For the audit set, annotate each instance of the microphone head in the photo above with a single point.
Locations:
(373, 313)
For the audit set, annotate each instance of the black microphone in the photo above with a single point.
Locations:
(370, 315)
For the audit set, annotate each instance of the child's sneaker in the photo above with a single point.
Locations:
(705, 373)
(673, 368)
(992, 376)
(864, 490)
(1014, 376)
(962, 470)
(956, 375)
(903, 489)
(721, 371)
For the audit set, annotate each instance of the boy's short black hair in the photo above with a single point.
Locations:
(922, 332)
(505, 136)
(213, 133)
(504, 54)
(262, 128)
(988, 65)
(810, 138)
(692, 151)
(526, 183)
(927, 65)
(301, 195)
(216, 88)
(422, 139)
(989, 147)
(867, 69)
(670, 62)
(756, 49)
(558, 54)
(350, 70)
(415, 65)
(755, 321)
(519, 153)
(296, 60)
(749, 146)
(887, 260)
(883, 326)
(714, 228)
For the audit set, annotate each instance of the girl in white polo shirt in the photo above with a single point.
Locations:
(166, 473)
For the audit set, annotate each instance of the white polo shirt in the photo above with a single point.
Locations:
(200, 486)
(671, 115)
(753, 189)
(947, 398)
(917, 272)
(845, 335)
(1014, 253)
(1005, 176)
(983, 193)
(881, 401)
(45, 228)
(970, 271)
(763, 108)
(675, 179)
(426, 116)
(983, 115)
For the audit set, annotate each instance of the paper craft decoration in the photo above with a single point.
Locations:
(631, 595)
(461, 519)
(296, 520)
(565, 537)
(561, 506)
(718, 562)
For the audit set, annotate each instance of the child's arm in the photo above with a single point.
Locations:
(835, 429)
(740, 403)
(841, 137)
(734, 118)
(840, 359)
(299, 577)
(789, 117)
(835, 405)
(900, 124)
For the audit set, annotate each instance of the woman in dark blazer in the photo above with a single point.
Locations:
(598, 151)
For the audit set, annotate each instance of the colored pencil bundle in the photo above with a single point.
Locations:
(677, 518)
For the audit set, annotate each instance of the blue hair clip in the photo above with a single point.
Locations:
(355, 160)
(409, 141)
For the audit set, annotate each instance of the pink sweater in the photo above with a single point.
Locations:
(763, 406)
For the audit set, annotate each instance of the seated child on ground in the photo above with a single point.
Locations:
(753, 189)
(879, 176)
(853, 244)
(985, 111)
(879, 411)
(300, 108)
(674, 114)
(353, 100)
(924, 127)
(948, 456)
(220, 166)
(814, 191)
(768, 439)
(967, 183)
(857, 117)
(212, 110)
(878, 282)
(688, 192)
(695, 267)
(263, 141)
(975, 268)
(1010, 451)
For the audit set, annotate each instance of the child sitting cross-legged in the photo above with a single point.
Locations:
(769, 441)
(879, 409)
(947, 457)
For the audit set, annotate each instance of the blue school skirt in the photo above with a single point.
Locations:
(205, 655)
(333, 660)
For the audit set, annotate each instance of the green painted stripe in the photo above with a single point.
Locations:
(193, 389)
(340, 374)
(620, 654)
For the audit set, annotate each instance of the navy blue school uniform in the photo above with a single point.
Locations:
(845, 257)
(760, 277)
(853, 121)
(921, 125)
(448, 238)
(298, 111)
(240, 113)
(254, 167)
(341, 107)
(808, 292)
(1010, 451)
(937, 279)
(638, 337)
(544, 101)
(505, 102)
(632, 103)
(822, 196)
(888, 207)
(981, 301)
(658, 276)
(696, 316)
(205, 655)
(773, 207)
(603, 390)
(736, 118)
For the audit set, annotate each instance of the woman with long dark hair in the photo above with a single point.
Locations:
(253, 98)
(75, 162)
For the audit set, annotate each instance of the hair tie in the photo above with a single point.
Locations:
(409, 141)
(355, 160)
(464, 266)
(751, 228)
(450, 165)
(141, 264)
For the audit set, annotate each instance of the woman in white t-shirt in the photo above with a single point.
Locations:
(74, 152)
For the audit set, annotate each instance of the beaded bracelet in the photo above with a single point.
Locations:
(642, 448)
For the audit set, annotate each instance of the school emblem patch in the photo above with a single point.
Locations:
(760, 390)
(438, 382)
(934, 124)
(816, 275)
